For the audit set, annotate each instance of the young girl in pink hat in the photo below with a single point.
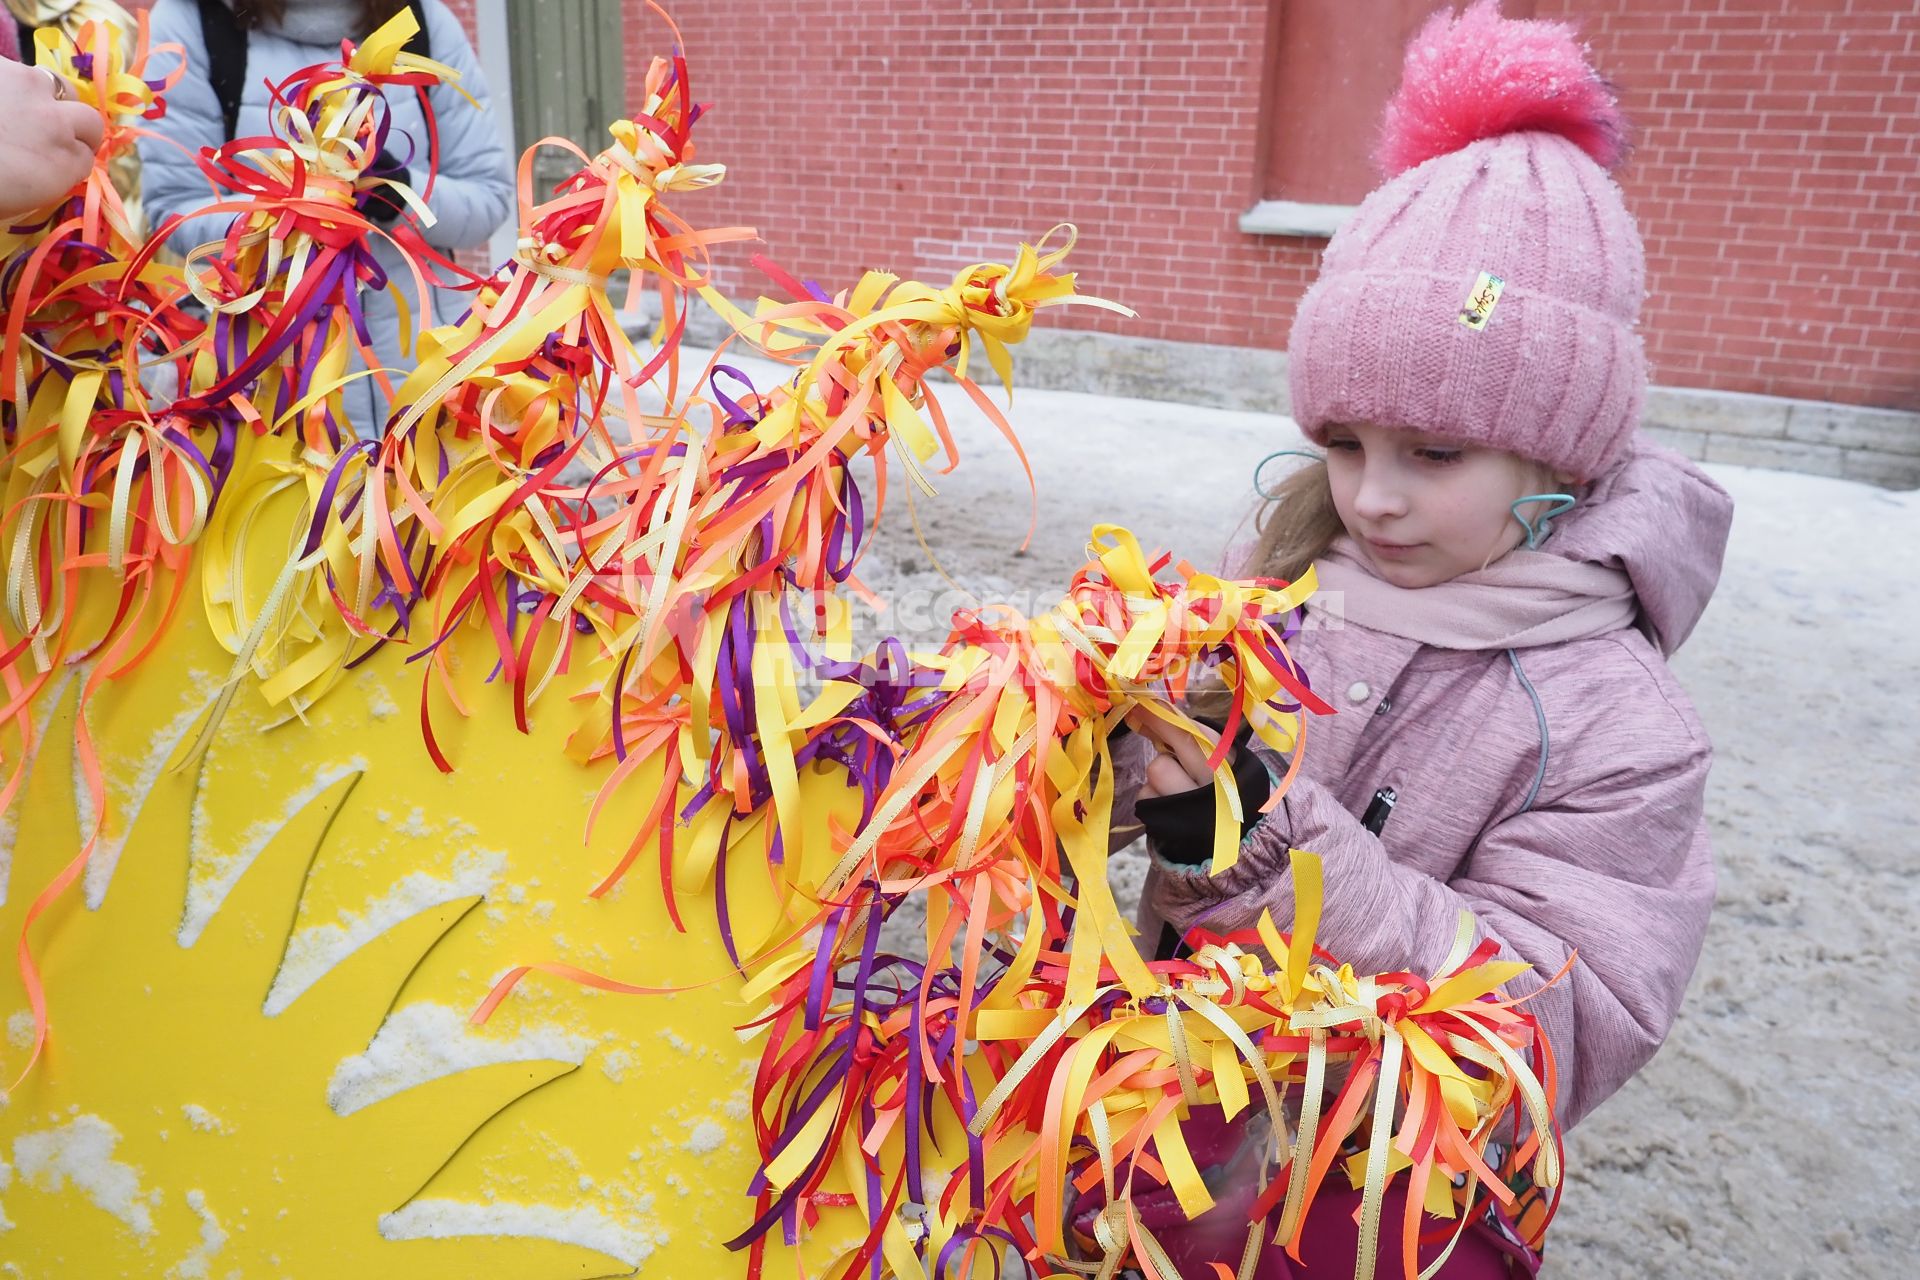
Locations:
(1505, 567)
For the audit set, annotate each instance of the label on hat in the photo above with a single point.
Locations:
(1480, 301)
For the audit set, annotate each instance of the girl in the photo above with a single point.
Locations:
(1504, 569)
(235, 48)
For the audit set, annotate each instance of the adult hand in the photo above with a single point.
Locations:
(49, 142)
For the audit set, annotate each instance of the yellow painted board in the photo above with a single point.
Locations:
(259, 1062)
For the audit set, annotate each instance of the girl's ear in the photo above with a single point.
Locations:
(1545, 479)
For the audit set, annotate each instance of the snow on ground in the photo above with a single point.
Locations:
(1772, 1135)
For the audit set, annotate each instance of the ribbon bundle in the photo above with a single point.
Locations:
(530, 497)
(1060, 1095)
(88, 325)
(284, 285)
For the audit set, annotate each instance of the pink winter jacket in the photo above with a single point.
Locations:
(1610, 858)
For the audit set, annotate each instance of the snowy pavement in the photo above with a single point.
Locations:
(1772, 1135)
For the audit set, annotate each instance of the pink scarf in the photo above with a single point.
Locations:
(1523, 600)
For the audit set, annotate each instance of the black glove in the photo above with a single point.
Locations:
(382, 203)
(1181, 825)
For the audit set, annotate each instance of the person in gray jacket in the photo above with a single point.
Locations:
(473, 191)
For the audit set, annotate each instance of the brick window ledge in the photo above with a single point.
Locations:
(1293, 218)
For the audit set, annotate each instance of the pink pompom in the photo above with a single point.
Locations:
(1478, 75)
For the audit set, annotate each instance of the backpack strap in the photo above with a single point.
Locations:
(420, 44)
(226, 59)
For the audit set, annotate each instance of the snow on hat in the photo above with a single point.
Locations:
(1487, 291)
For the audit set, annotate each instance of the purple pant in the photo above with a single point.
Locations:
(1329, 1244)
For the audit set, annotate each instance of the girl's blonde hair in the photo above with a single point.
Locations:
(1296, 525)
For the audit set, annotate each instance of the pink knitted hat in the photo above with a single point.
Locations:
(1487, 291)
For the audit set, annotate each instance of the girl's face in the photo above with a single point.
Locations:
(1424, 509)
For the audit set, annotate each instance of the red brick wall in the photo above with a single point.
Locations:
(1777, 182)
(1777, 179)
(923, 138)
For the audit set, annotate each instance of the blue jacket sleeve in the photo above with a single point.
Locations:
(473, 193)
(170, 182)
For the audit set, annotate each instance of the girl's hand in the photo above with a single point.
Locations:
(1176, 805)
(1179, 763)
